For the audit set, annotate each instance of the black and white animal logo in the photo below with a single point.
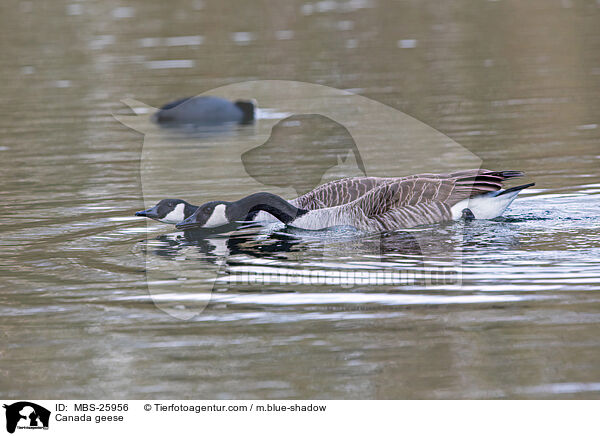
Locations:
(26, 415)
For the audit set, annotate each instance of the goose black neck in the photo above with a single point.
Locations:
(248, 207)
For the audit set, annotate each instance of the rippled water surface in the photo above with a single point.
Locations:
(515, 83)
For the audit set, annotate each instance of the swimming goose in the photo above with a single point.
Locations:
(374, 203)
(205, 110)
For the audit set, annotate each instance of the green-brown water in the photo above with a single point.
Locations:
(516, 83)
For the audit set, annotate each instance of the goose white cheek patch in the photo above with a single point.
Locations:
(217, 218)
(175, 216)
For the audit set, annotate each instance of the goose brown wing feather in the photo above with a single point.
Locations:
(446, 188)
(412, 216)
(338, 192)
(402, 193)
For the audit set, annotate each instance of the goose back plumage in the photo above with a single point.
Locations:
(379, 204)
(343, 191)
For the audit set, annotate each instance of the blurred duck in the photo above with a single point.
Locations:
(205, 110)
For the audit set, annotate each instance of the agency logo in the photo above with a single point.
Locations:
(26, 415)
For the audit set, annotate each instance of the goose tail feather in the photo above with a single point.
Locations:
(514, 189)
(488, 205)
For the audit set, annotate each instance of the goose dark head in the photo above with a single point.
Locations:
(209, 215)
(169, 211)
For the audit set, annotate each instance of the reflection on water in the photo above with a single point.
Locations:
(514, 82)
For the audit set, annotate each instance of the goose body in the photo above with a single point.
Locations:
(373, 203)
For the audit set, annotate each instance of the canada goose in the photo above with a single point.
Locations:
(374, 203)
(205, 110)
